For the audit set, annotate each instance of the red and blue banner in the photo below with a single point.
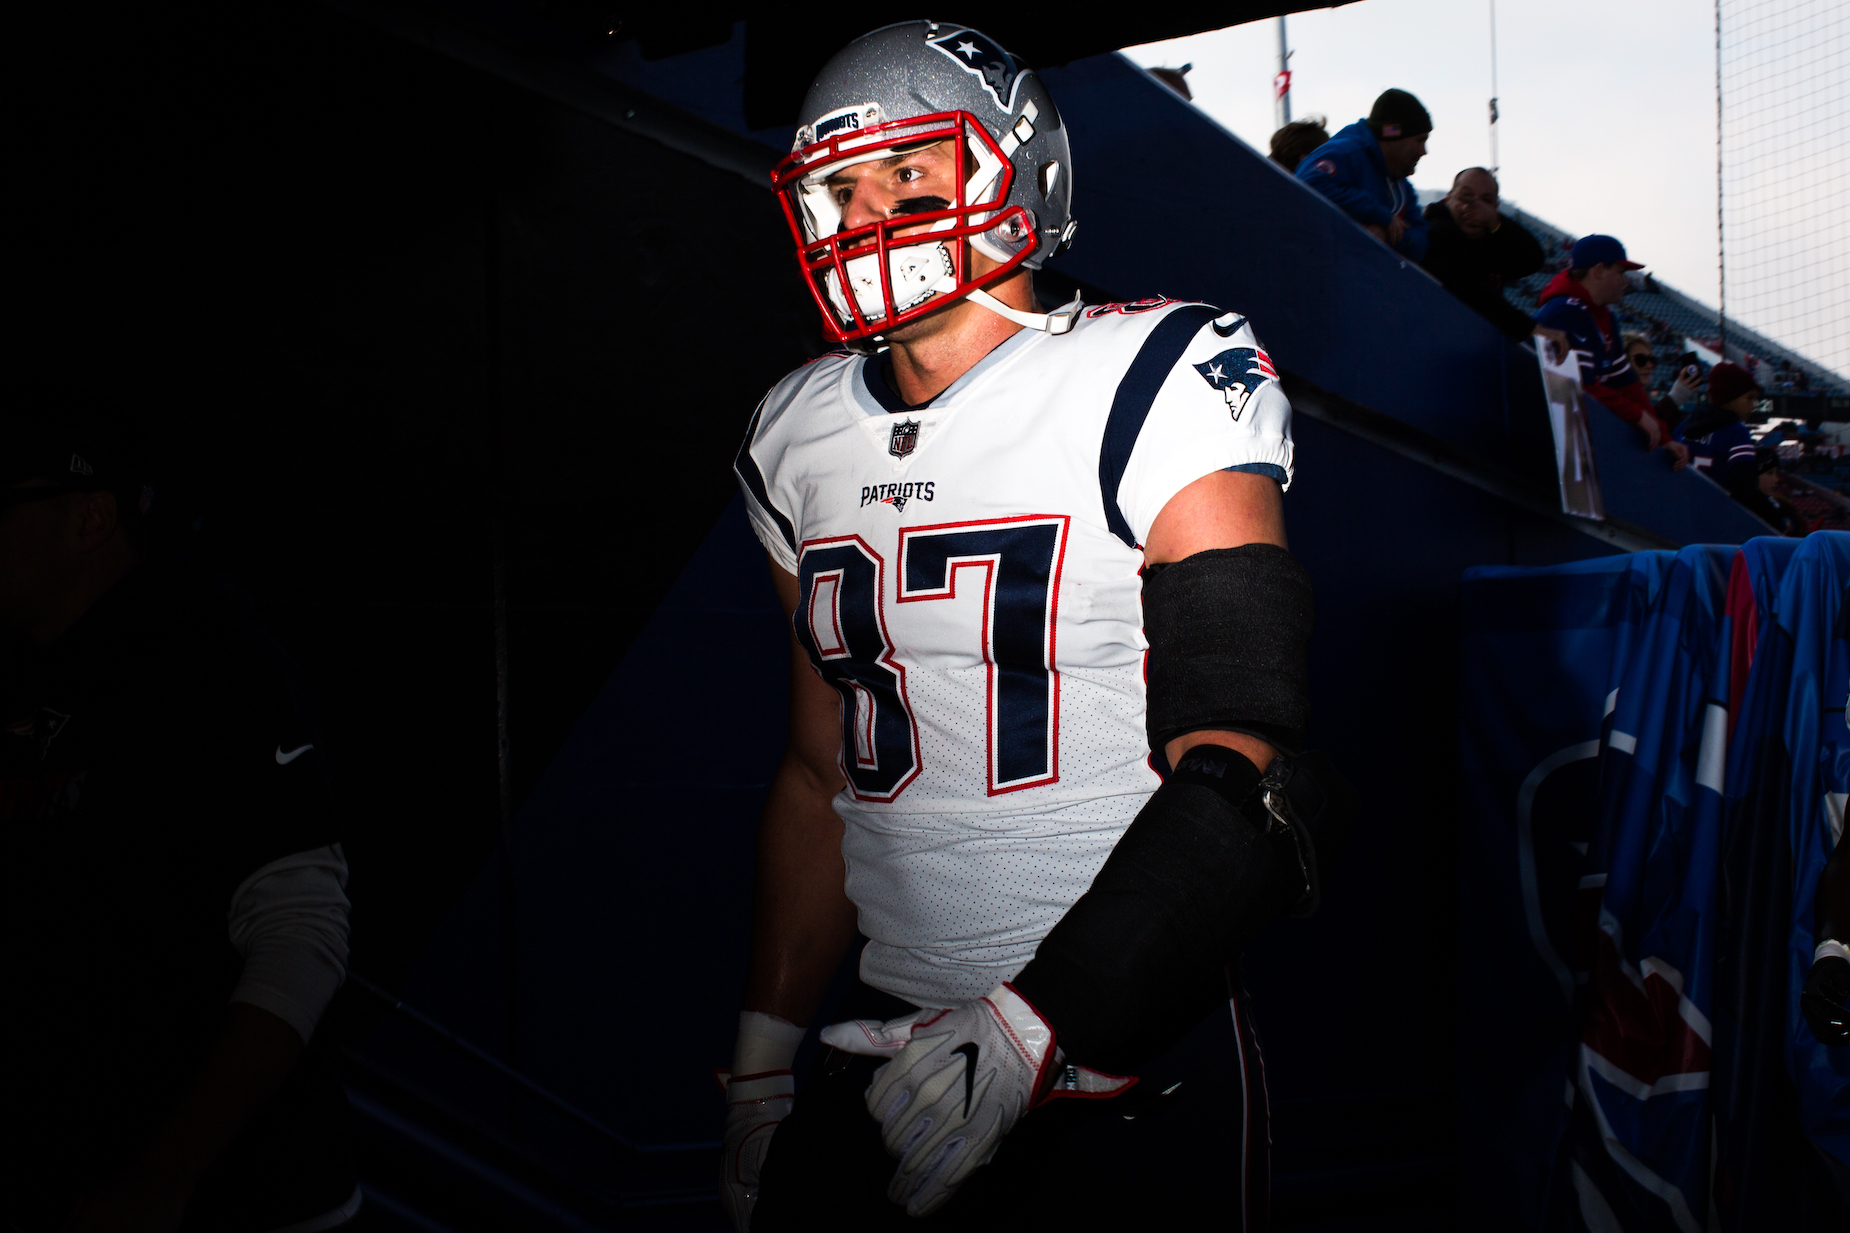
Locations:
(1637, 903)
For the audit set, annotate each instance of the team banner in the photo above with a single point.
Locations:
(1782, 1099)
(1813, 613)
(1654, 759)
(1540, 650)
(1637, 1152)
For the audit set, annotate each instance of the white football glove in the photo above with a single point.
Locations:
(958, 1081)
(755, 1105)
(759, 1093)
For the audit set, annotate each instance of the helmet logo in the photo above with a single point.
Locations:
(905, 440)
(982, 59)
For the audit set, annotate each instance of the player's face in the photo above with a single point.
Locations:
(909, 183)
(914, 182)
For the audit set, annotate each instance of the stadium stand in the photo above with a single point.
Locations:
(1669, 317)
(1814, 465)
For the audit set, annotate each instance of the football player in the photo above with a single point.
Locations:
(1028, 557)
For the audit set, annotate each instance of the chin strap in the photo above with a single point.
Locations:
(1058, 321)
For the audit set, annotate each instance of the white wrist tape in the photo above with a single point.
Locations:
(1830, 947)
(765, 1043)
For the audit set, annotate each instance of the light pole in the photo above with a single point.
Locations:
(1281, 84)
(1493, 88)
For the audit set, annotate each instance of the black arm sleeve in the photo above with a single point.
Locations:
(1229, 632)
(1204, 868)
(1207, 863)
(1190, 883)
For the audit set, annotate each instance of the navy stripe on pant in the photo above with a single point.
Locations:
(1190, 1143)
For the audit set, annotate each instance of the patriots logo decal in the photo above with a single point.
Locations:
(1237, 373)
(982, 59)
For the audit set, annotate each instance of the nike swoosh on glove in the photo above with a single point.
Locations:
(958, 1081)
(755, 1104)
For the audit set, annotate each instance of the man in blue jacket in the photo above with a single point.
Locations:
(1364, 169)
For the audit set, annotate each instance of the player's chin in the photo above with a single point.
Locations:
(933, 322)
(942, 315)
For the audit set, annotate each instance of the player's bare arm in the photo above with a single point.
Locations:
(802, 919)
(802, 922)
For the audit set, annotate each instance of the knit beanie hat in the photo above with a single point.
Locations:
(1728, 382)
(1398, 114)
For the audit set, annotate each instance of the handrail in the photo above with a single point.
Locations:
(492, 1062)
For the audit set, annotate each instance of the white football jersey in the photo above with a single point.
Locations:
(969, 584)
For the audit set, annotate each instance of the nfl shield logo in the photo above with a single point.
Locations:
(905, 439)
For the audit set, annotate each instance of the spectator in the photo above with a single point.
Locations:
(1643, 358)
(1474, 251)
(1721, 447)
(1576, 314)
(1364, 170)
(174, 884)
(1296, 140)
(1782, 515)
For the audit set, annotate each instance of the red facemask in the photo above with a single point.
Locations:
(869, 280)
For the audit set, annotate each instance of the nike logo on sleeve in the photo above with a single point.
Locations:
(284, 759)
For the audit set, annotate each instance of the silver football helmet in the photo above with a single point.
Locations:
(903, 88)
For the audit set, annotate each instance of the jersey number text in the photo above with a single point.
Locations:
(841, 624)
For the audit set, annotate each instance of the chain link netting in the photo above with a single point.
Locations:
(1784, 76)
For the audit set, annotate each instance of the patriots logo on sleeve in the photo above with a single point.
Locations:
(1237, 373)
(982, 59)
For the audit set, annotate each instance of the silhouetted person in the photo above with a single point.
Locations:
(177, 919)
(1474, 251)
(1720, 444)
(1294, 142)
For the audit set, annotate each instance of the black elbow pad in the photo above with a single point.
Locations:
(1229, 633)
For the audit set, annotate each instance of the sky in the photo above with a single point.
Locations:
(1608, 106)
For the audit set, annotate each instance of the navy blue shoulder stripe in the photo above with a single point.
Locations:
(746, 468)
(1131, 406)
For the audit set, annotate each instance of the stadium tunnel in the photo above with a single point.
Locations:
(448, 319)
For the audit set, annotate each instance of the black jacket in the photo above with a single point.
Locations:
(1476, 271)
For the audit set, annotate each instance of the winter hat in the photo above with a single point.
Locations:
(1728, 382)
(1398, 114)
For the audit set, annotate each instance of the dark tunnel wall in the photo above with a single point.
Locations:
(369, 301)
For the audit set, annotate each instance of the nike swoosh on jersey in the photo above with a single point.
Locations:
(284, 759)
(970, 1052)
